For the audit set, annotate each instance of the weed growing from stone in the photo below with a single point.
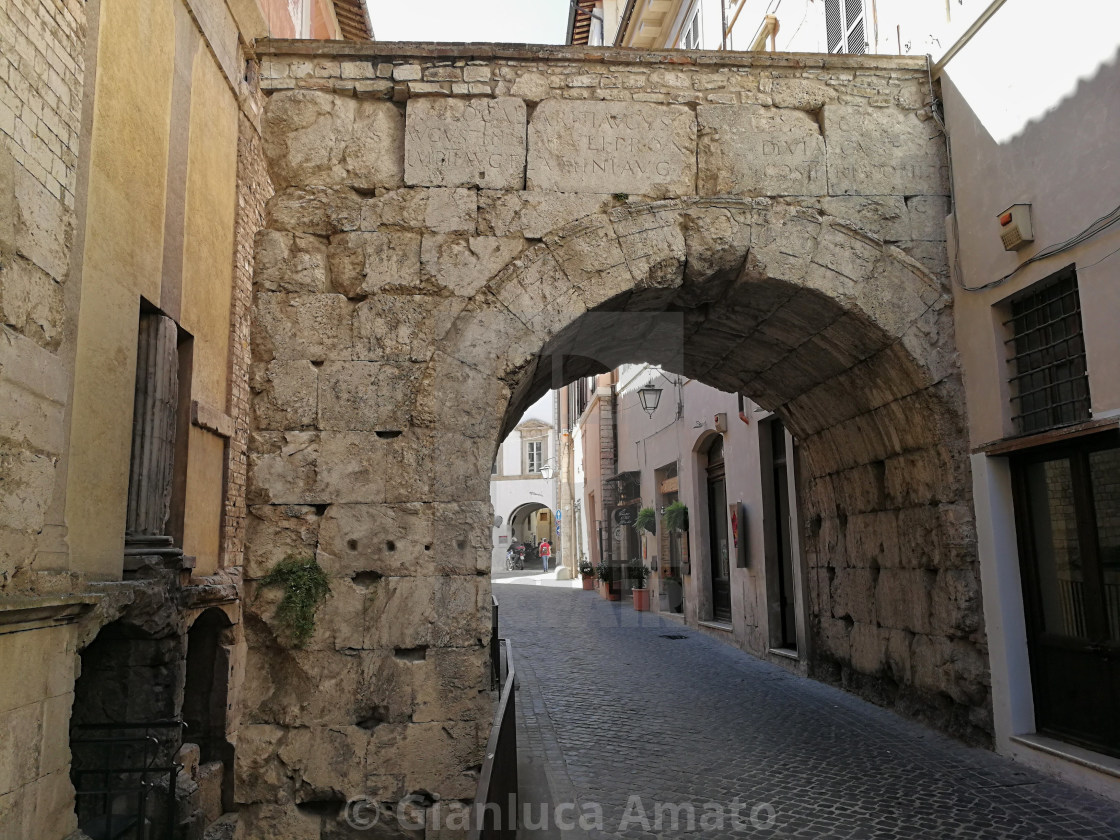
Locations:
(305, 588)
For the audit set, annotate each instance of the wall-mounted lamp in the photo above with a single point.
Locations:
(649, 396)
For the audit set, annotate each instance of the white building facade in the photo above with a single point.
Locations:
(523, 489)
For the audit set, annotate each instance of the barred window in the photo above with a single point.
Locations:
(1049, 383)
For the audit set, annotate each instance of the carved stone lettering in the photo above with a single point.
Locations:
(883, 151)
(612, 147)
(756, 150)
(465, 143)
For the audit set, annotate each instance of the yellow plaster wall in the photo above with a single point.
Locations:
(122, 261)
(207, 283)
(208, 235)
(202, 533)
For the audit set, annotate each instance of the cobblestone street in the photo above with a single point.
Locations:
(613, 707)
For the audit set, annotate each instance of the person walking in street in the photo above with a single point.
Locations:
(545, 551)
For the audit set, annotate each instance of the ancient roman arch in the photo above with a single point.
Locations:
(457, 229)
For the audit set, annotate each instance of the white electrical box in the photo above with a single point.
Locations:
(1015, 227)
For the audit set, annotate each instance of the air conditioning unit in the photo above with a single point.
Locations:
(1015, 227)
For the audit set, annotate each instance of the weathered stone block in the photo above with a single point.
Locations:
(274, 532)
(463, 264)
(465, 142)
(31, 302)
(802, 94)
(316, 138)
(455, 394)
(869, 645)
(884, 216)
(311, 327)
(533, 214)
(532, 87)
(402, 327)
(753, 150)
(367, 396)
(613, 147)
(285, 395)
(902, 600)
(956, 608)
(399, 208)
(927, 217)
(883, 151)
(283, 468)
(290, 262)
(452, 211)
(368, 263)
(318, 210)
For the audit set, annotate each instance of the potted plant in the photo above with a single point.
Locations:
(639, 574)
(676, 517)
(587, 574)
(647, 520)
(607, 578)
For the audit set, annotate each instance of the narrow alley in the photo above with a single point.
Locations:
(640, 722)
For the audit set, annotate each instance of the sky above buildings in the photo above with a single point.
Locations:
(511, 21)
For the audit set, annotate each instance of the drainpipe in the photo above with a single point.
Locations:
(723, 12)
(624, 22)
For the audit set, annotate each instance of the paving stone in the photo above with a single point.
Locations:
(617, 710)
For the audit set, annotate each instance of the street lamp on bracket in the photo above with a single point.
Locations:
(649, 395)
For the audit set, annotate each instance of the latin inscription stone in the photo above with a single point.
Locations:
(612, 147)
(756, 150)
(465, 143)
(883, 151)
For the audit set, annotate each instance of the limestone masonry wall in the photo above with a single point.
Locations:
(444, 218)
(41, 78)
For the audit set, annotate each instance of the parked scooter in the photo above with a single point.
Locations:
(515, 558)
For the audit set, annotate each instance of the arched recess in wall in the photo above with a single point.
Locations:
(849, 341)
(206, 697)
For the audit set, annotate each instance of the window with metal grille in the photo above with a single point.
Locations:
(844, 24)
(1049, 383)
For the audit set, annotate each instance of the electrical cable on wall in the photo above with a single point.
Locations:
(1098, 226)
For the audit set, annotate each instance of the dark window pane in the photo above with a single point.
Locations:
(1053, 521)
(1104, 472)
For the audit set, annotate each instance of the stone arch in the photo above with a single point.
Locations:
(846, 338)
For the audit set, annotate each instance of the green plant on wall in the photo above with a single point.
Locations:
(676, 517)
(647, 520)
(305, 587)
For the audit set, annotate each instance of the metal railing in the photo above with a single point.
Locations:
(495, 647)
(124, 779)
(495, 803)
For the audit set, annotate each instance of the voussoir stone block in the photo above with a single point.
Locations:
(636, 148)
(465, 142)
(312, 137)
(883, 151)
(755, 150)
